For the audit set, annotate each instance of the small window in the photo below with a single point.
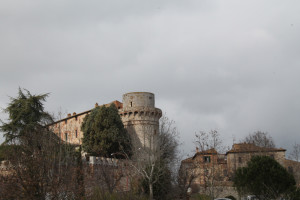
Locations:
(206, 159)
(76, 133)
(66, 121)
(130, 103)
(240, 160)
(66, 137)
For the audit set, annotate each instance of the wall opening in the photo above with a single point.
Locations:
(206, 159)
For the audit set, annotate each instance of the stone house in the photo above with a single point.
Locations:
(211, 173)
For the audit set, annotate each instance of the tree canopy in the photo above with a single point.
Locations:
(264, 177)
(26, 113)
(104, 133)
(42, 164)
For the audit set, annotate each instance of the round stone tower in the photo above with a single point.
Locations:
(141, 119)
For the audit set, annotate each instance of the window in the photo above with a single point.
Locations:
(130, 103)
(66, 137)
(206, 159)
(76, 133)
(240, 160)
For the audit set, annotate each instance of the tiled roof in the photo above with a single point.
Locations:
(245, 148)
(117, 103)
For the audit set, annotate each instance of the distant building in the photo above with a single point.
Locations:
(210, 172)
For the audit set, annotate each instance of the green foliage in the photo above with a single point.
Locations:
(294, 194)
(42, 165)
(26, 113)
(263, 177)
(104, 132)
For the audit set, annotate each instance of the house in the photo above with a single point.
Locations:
(211, 173)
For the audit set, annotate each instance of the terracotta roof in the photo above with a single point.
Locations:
(117, 103)
(206, 152)
(246, 148)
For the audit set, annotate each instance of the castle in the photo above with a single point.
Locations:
(137, 111)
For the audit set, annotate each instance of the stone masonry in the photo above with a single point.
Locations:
(138, 114)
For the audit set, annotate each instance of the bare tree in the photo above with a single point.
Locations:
(259, 138)
(156, 161)
(209, 144)
(44, 169)
(295, 154)
(186, 175)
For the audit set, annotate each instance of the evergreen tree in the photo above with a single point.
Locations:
(42, 166)
(263, 177)
(104, 133)
(26, 114)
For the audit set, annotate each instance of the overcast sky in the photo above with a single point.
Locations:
(233, 66)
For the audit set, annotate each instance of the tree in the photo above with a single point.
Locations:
(259, 138)
(41, 165)
(155, 164)
(210, 172)
(26, 113)
(295, 154)
(264, 177)
(104, 132)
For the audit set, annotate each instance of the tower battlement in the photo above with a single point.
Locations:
(141, 118)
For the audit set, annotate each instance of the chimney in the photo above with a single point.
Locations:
(197, 150)
(96, 105)
(74, 113)
(69, 115)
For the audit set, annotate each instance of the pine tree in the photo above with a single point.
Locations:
(26, 115)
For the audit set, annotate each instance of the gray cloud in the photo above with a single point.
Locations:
(231, 66)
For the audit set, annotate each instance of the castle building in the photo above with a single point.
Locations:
(137, 111)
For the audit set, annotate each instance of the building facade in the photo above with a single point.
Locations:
(211, 173)
(137, 111)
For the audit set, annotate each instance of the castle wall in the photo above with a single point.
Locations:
(69, 129)
(138, 114)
